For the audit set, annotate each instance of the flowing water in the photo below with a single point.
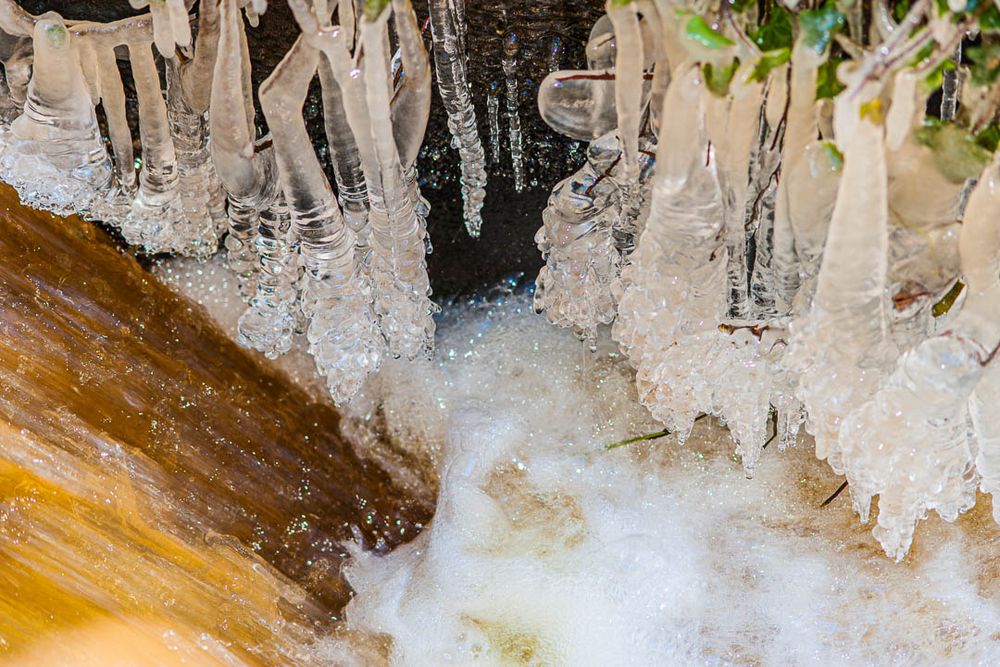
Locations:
(161, 492)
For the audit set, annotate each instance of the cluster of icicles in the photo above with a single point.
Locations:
(344, 266)
(787, 258)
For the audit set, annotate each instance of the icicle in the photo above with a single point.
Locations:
(197, 74)
(201, 191)
(411, 101)
(733, 149)
(344, 155)
(574, 287)
(254, 10)
(509, 63)
(798, 221)
(17, 73)
(171, 27)
(629, 104)
(675, 286)
(628, 82)
(343, 336)
(245, 174)
(980, 247)
(493, 110)
(909, 444)
(269, 322)
(398, 267)
(113, 102)
(447, 28)
(411, 106)
(578, 103)
(601, 45)
(14, 79)
(841, 347)
(157, 214)
(54, 156)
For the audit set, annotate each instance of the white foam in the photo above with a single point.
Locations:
(548, 549)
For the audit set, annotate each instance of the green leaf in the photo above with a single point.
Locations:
(620, 3)
(819, 25)
(948, 300)
(989, 137)
(717, 79)
(985, 63)
(827, 84)
(900, 10)
(957, 155)
(373, 8)
(777, 32)
(935, 78)
(740, 6)
(768, 61)
(698, 30)
(835, 157)
(989, 21)
(923, 54)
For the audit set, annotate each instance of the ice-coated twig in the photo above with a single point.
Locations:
(447, 30)
(171, 27)
(245, 174)
(343, 336)
(54, 156)
(841, 348)
(202, 196)
(910, 443)
(270, 321)
(157, 214)
(399, 269)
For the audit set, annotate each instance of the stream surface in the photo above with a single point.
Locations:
(158, 484)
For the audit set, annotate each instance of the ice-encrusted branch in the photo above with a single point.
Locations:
(54, 156)
(343, 336)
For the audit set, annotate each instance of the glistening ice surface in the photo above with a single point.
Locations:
(548, 549)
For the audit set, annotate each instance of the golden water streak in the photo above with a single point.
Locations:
(152, 473)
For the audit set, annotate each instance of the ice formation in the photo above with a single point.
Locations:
(448, 32)
(795, 254)
(774, 221)
(344, 266)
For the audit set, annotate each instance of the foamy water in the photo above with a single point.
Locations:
(548, 549)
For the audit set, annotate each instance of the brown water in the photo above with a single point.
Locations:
(163, 495)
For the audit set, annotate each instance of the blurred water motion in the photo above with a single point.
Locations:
(163, 496)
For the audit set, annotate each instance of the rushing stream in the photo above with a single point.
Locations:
(154, 474)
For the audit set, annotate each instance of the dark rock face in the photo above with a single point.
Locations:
(546, 34)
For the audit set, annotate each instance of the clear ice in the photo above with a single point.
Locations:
(793, 261)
